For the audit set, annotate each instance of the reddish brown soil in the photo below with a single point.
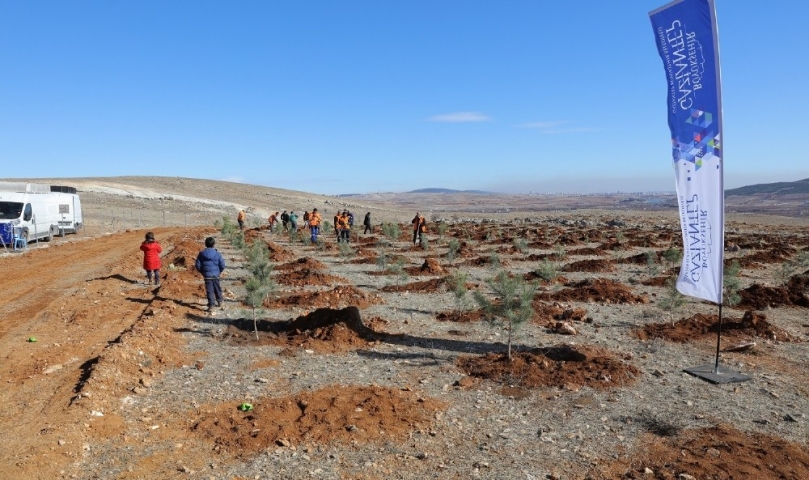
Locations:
(426, 286)
(719, 452)
(324, 330)
(278, 253)
(549, 314)
(759, 297)
(302, 263)
(338, 297)
(79, 364)
(562, 366)
(595, 290)
(333, 414)
(590, 266)
(463, 317)
(308, 276)
(699, 326)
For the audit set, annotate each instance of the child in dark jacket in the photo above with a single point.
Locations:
(151, 258)
(210, 264)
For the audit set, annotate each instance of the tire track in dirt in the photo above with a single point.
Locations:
(75, 312)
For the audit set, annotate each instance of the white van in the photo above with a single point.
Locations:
(38, 212)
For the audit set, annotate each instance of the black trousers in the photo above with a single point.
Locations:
(213, 290)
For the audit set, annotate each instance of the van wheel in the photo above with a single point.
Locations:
(50, 234)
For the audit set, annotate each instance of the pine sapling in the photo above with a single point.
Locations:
(457, 283)
(672, 300)
(513, 305)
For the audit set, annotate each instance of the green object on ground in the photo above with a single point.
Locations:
(32, 339)
(246, 407)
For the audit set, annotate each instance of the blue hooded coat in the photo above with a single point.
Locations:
(210, 263)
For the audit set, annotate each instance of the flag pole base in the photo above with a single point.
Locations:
(720, 374)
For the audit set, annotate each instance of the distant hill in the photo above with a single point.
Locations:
(449, 190)
(781, 188)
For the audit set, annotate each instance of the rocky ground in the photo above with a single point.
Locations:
(361, 364)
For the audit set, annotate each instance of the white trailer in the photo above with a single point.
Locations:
(38, 212)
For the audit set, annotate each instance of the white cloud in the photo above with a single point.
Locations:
(460, 117)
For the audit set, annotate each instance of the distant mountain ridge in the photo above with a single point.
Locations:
(781, 188)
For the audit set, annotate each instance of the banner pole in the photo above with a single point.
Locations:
(718, 338)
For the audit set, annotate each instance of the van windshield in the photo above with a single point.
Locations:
(10, 210)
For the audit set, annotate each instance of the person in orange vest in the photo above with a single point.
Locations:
(314, 224)
(344, 227)
(419, 227)
(240, 218)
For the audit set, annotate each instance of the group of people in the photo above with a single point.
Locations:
(210, 263)
(343, 223)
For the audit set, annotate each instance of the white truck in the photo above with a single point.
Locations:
(36, 211)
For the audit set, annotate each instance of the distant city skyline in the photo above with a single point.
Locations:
(367, 96)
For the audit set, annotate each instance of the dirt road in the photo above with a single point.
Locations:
(63, 307)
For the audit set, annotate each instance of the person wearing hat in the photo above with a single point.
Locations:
(314, 224)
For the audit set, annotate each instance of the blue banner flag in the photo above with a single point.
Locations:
(687, 41)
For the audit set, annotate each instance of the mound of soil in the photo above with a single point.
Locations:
(660, 281)
(432, 266)
(562, 366)
(325, 330)
(595, 290)
(333, 414)
(308, 277)
(716, 452)
(463, 317)
(760, 297)
(484, 261)
(595, 251)
(279, 253)
(426, 286)
(338, 297)
(641, 258)
(549, 314)
(599, 265)
(699, 326)
(302, 263)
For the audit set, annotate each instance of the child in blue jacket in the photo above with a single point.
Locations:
(210, 263)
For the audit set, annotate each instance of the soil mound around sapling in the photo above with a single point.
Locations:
(595, 290)
(427, 286)
(278, 253)
(335, 414)
(308, 276)
(338, 297)
(700, 326)
(599, 265)
(562, 366)
(484, 261)
(660, 281)
(300, 264)
(325, 330)
(715, 452)
(759, 297)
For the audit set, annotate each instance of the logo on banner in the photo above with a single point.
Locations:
(698, 233)
(697, 140)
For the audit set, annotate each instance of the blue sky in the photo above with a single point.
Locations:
(371, 96)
